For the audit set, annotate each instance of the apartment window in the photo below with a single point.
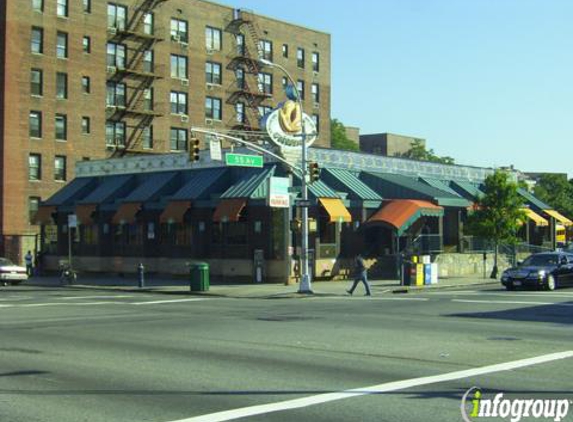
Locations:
(86, 84)
(316, 120)
(35, 167)
(33, 205)
(116, 16)
(61, 86)
(213, 39)
(148, 24)
(35, 122)
(240, 43)
(116, 55)
(148, 61)
(178, 102)
(62, 8)
(264, 110)
(300, 57)
(284, 82)
(86, 125)
(36, 82)
(179, 30)
(178, 139)
(62, 45)
(300, 87)
(240, 112)
(116, 93)
(265, 83)
(213, 73)
(37, 41)
(240, 76)
(61, 127)
(87, 6)
(148, 99)
(38, 5)
(147, 137)
(60, 168)
(178, 66)
(87, 44)
(285, 51)
(115, 134)
(266, 48)
(315, 61)
(213, 108)
(315, 92)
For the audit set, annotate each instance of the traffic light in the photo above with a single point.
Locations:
(194, 149)
(313, 171)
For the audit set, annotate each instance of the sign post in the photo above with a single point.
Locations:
(72, 224)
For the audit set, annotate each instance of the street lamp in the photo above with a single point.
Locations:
(305, 282)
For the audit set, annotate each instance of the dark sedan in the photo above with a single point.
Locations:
(547, 270)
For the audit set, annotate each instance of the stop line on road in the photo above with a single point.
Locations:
(71, 304)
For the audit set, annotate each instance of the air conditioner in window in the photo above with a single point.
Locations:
(120, 107)
(112, 30)
(210, 51)
(316, 105)
(210, 86)
(119, 142)
(111, 69)
(110, 107)
(185, 82)
(184, 118)
(175, 37)
(209, 122)
(315, 73)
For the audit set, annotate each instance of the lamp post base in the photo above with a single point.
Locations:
(305, 287)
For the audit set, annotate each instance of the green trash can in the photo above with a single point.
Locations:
(199, 277)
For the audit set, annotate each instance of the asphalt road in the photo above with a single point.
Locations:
(69, 355)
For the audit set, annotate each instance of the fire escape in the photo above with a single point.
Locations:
(137, 108)
(246, 93)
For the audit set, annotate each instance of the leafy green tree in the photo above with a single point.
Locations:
(556, 191)
(498, 213)
(419, 152)
(339, 140)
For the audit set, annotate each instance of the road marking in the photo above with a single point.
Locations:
(512, 302)
(375, 389)
(167, 301)
(40, 305)
(94, 297)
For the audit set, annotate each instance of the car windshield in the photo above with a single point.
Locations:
(541, 260)
(5, 262)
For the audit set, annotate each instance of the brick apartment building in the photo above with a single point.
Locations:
(85, 79)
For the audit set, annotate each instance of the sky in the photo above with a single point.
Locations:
(487, 82)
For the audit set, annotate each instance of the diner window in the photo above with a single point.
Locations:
(116, 16)
(213, 39)
(35, 124)
(36, 82)
(60, 168)
(34, 167)
(213, 73)
(179, 31)
(213, 108)
(178, 66)
(37, 40)
(237, 233)
(178, 102)
(61, 127)
(178, 138)
(62, 45)
(61, 86)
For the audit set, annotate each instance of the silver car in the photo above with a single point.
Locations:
(11, 273)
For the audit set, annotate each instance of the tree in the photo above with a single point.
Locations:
(556, 191)
(338, 137)
(498, 213)
(419, 152)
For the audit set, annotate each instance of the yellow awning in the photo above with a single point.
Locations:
(536, 218)
(336, 210)
(561, 218)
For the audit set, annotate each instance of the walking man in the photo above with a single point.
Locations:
(29, 259)
(360, 275)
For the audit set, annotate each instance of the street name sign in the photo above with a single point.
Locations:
(243, 160)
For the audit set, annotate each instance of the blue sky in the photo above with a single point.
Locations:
(488, 82)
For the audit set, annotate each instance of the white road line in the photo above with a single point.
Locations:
(375, 389)
(40, 305)
(166, 301)
(94, 297)
(512, 302)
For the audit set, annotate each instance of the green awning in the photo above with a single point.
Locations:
(72, 191)
(533, 201)
(153, 185)
(468, 190)
(253, 184)
(347, 181)
(439, 184)
(201, 184)
(109, 188)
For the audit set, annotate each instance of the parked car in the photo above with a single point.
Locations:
(11, 273)
(547, 270)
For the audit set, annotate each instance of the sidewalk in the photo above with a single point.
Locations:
(178, 286)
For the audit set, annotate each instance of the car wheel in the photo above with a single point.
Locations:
(551, 283)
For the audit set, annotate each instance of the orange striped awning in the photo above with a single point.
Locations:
(44, 215)
(126, 213)
(84, 213)
(229, 210)
(174, 212)
(400, 214)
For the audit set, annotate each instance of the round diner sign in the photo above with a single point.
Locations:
(280, 131)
